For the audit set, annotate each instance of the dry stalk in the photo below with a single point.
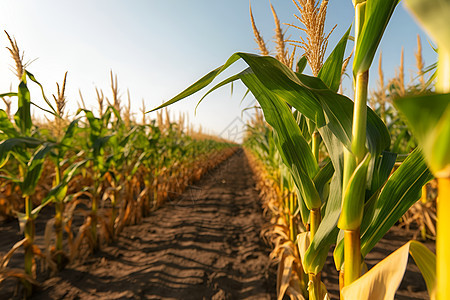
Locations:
(15, 54)
(312, 16)
(127, 112)
(282, 52)
(258, 38)
(167, 119)
(420, 63)
(100, 101)
(401, 74)
(115, 92)
(379, 96)
(82, 104)
(398, 83)
(159, 119)
(8, 104)
(143, 110)
(60, 101)
(344, 68)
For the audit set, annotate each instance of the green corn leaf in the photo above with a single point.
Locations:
(35, 169)
(6, 126)
(69, 133)
(222, 83)
(330, 73)
(327, 232)
(308, 95)
(401, 191)
(12, 145)
(353, 201)
(31, 76)
(369, 211)
(200, 84)
(382, 210)
(322, 180)
(426, 262)
(307, 189)
(383, 280)
(292, 145)
(433, 16)
(377, 16)
(429, 118)
(95, 124)
(58, 193)
(10, 94)
(23, 115)
(381, 171)
(301, 64)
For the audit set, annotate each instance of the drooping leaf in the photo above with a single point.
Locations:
(401, 191)
(34, 169)
(306, 94)
(31, 76)
(6, 126)
(429, 118)
(382, 281)
(327, 232)
(12, 145)
(433, 16)
(322, 180)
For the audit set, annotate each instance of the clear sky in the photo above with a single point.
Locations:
(159, 47)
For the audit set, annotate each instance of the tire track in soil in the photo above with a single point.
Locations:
(204, 244)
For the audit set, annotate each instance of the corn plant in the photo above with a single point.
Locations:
(429, 118)
(19, 139)
(365, 201)
(98, 136)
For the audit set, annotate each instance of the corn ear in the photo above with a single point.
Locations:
(353, 202)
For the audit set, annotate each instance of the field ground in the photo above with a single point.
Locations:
(204, 244)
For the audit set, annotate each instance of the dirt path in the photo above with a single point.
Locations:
(203, 245)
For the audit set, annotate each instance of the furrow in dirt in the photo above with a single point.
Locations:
(204, 244)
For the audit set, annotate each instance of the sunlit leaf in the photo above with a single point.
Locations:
(382, 281)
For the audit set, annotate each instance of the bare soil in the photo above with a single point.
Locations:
(203, 244)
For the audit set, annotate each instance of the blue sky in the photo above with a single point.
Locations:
(159, 47)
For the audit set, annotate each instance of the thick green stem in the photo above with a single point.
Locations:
(59, 207)
(443, 240)
(94, 210)
(352, 241)
(292, 225)
(316, 139)
(315, 218)
(29, 236)
(314, 279)
(360, 117)
(314, 287)
(352, 256)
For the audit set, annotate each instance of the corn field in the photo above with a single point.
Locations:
(101, 165)
(337, 184)
(335, 174)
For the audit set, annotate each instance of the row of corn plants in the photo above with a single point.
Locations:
(351, 196)
(277, 191)
(106, 168)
